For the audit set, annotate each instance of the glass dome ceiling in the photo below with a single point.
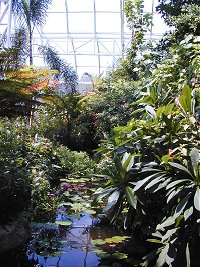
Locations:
(91, 35)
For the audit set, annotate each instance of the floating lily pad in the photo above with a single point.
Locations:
(77, 198)
(65, 204)
(103, 255)
(98, 242)
(91, 212)
(66, 193)
(63, 223)
(116, 239)
(120, 256)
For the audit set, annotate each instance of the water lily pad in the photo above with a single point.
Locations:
(103, 255)
(63, 223)
(97, 250)
(65, 204)
(76, 198)
(98, 242)
(116, 239)
(109, 240)
(90, 211)
(120, 256)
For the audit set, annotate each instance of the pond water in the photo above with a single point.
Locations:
(74, 246)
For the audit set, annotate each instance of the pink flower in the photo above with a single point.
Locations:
(177, 102)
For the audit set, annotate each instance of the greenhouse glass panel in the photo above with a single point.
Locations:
(96, 29)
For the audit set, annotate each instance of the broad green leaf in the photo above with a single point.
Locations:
(112, 200)
(142, 182)
(172, 194)
(188, 213)
(186, 99)
(168, 234)
(103, 193)
(182, 205)
(187, 92)
(154, 181)
(131, 197)
(195, 158)
(162, 257)
(173, 184)
(187, 252)
(118, 164)
(120, 150)
(197, 199)
(151, 111)
(127, 161)
(169, 221)
(180, 167)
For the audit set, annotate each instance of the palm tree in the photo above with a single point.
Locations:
(31, 14)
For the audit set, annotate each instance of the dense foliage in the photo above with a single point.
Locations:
(141, 125)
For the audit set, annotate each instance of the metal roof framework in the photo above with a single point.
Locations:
(91, 35)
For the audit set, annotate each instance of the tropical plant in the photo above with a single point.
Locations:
(179, 227)
(139, 23)
(180, 67)
(21, 88)
(31, 14)
(183, 18)
(15, 185)
(173, 7)
(164, 137)
(66, 74)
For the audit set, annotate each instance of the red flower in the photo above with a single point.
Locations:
(170, 153)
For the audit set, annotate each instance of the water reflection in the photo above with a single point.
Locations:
(60, 246)
(72, 243)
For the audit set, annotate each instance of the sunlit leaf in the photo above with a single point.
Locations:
(188, 213)
(195, 158)
(173, 184)
(151, 111)
(63, 223)
(142, 182)
(131, 197)
(169, 221)
(187, 252)
(162, 256)
(112, 200)
(197, 199)
(182, 205)
(168, 234)
(155, 181)
(180, 167)
(127, 161)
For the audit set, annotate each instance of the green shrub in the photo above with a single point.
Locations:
(75, 164)
(15, 185)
